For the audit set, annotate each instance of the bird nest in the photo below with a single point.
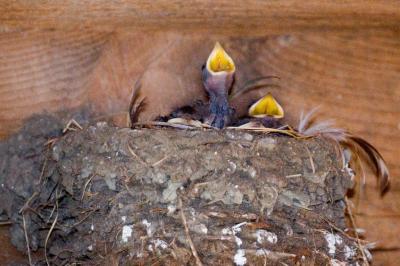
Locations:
(167, 196)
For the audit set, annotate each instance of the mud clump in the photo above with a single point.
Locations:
(166, 196)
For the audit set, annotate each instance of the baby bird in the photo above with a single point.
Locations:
(218, 76)
(266, 112)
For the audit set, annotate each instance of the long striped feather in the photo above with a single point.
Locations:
(137, 104)
(363, 151)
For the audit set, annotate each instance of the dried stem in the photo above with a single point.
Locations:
(27, 240)
(189, 239)
(50, 231)
(353, 224)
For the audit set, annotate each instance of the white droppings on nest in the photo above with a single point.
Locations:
(349, 171)
(226, 231)
(203, 228)
(240, 258)
(233, 231)
(171, 209)
(126, 233)
(252, 172)
(123, 219)
(261, 252)
(237, 228)
(149, 230)
(334, 262)
(90, 248)
(158, 243)
(349, 252)
(332, 240)
(232, 166)
(192, 214)
(92, 227)
(101, 124)
(238, 241)
(266, 236)
(248, 137)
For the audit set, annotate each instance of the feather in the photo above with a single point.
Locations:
(137, 104)
(375, 159)
(253, 84)
(363, 151)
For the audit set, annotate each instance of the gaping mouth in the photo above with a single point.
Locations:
(266, 106)
(219, 60)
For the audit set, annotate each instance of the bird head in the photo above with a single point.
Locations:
(218, 72)
(267, 106)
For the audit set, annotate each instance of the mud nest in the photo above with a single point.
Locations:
(162, 196)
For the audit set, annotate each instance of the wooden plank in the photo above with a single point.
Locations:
(216, 16)
(44, 72)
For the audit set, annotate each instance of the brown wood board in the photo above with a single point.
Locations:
(352, 74)
(217, 16)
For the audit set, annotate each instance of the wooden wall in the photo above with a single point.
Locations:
(344, 57)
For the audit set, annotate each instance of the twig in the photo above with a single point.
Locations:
(6, 223)
(70, 123)
(26, 205)
(189, 239)
(160, 161)
(165, 124)
(136, 156)
(267, 130)
(51, 214)
(50, 231)
(86, 184)
(292, 176)
(311, 160)
(84, 218)
(27, 240)
(44, 166)
(360, 247)
(50, 142)
(232, 215)
(332, 225)
(273, 255)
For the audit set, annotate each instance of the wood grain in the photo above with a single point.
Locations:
(353, 76)
(44, 72)
(208, 15)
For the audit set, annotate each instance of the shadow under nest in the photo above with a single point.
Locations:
(164, 196)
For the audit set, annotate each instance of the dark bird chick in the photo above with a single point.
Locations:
(266, 112)
(218, 76)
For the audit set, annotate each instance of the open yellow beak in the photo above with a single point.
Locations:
(219, 60)
(266, 106)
